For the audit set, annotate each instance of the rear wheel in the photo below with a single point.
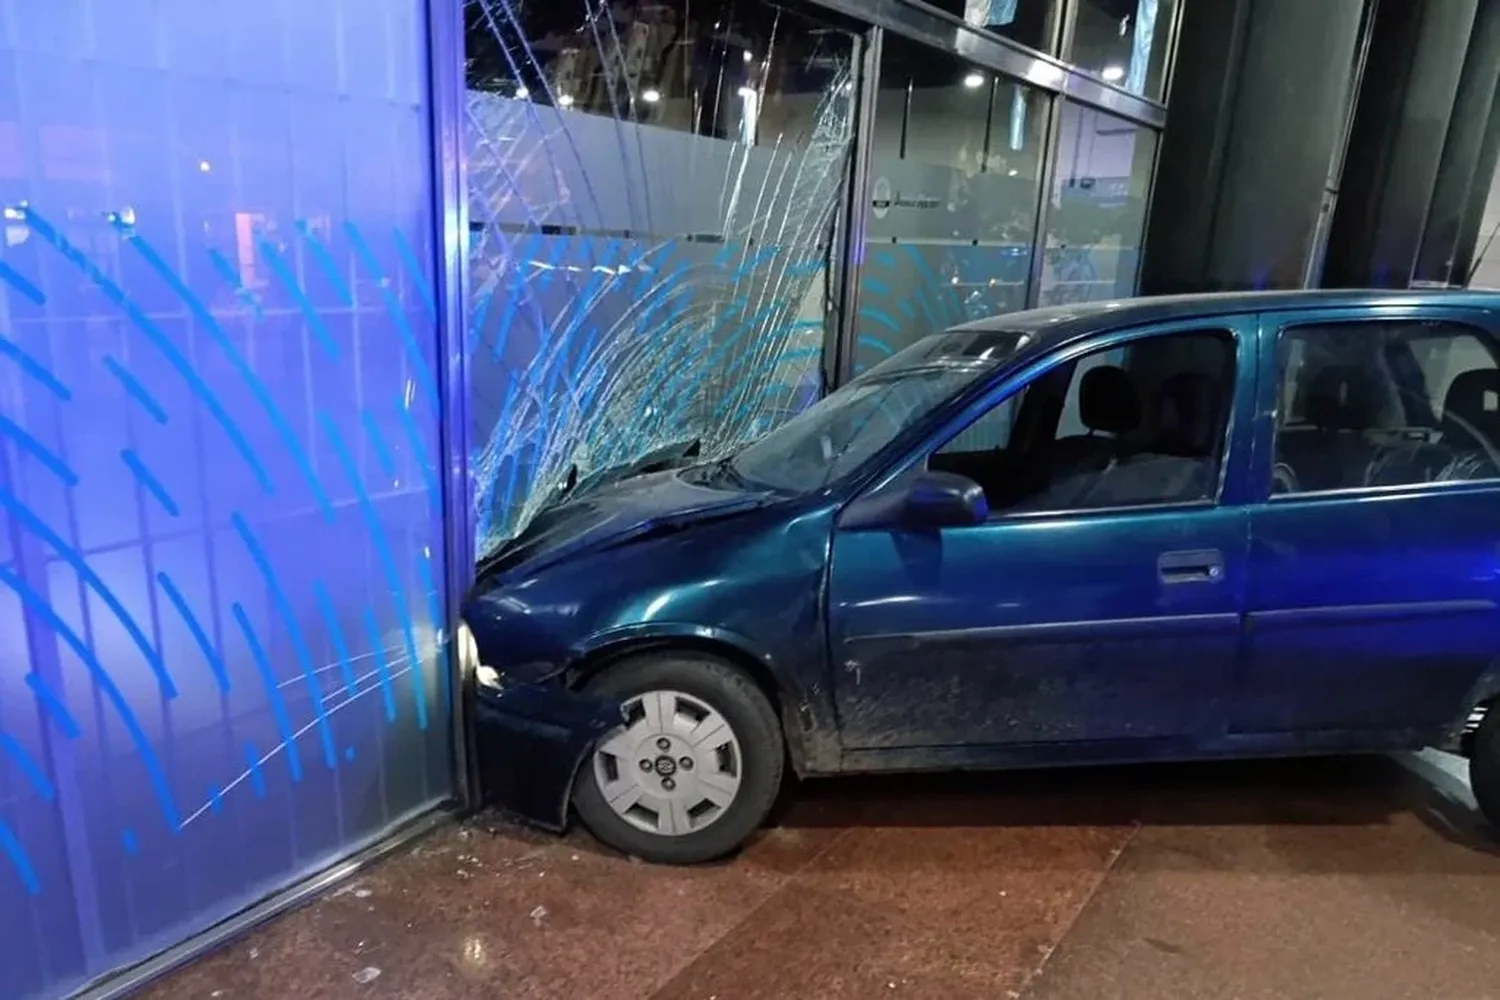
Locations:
(694, 770)
(1484, 766)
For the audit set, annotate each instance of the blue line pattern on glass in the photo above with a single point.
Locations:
(149, 482)
(273, 692)
(247, 374)
(205, 645)
(335, 635)
(413, 436)
(20, 283)
(53, 706)
(28, 766)
(309, 311)
(387, 560)
(20, 860)
(414, 266)
(35, 449)
(294, 633)
(377, 444)
(421, 368)
(134, 388)
(129, 842)
(229, 274)
(144, 323)
(325, 262)
(105, 685)
(257, 776)
(75, 559)
(382, 669)
(34, 368)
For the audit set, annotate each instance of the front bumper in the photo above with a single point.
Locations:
(529, 741)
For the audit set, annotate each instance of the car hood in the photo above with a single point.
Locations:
(623, 511)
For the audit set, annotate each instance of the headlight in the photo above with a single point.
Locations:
(467, 650)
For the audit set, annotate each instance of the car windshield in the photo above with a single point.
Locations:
(835, 436)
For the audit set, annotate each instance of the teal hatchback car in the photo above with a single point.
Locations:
(1163, 529)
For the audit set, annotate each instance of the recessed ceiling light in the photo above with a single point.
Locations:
(974, 81)
(565, 100)
(522, 93)
(651, 95)
(1113, 73)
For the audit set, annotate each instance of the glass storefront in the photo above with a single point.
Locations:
(691, 219)
(956, 155)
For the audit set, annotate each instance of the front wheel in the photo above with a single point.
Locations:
(694, 770)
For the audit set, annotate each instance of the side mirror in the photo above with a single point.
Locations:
(920, 500)
(944, 500)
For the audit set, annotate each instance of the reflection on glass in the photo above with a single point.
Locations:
(1098, 207)
(955, 157)
(1027, 22)
(653, 189)
(1124, 42)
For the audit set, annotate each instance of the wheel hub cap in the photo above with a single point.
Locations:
(673, 768)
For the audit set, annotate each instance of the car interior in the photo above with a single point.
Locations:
(1385, 407)
(1142, 424)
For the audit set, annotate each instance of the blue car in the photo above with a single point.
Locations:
(1207, 526)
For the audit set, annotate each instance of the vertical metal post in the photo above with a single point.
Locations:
(1169, 71)
(1064, 28)
(445, 54)
(857, 209)
(1044, 200)
(1169, 67)
(1312, 267)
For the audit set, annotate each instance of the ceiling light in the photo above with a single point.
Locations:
(565, 100)
(974, 81)
(1113, 73)
(522, 93)
(748, 56)
(651, 95)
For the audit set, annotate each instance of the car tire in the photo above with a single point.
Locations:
(1484, 767)
(676, 811)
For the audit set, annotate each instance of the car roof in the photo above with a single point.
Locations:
(1057, 323)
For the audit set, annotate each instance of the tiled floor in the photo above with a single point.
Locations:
(1365, 879)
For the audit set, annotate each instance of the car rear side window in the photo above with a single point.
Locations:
(1370, 404)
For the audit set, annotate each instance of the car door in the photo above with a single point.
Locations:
(1375, 554)
(1101, 600)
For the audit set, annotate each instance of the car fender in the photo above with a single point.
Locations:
(807, 713)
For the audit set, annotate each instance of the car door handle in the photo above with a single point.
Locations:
(1192, 566)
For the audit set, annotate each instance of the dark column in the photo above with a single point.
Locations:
(1257, 114)
(1405, 107)
(1469, 242)
(1468, 159)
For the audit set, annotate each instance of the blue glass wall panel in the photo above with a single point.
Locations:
(220, 521)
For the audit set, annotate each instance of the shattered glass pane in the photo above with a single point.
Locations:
(653, 193)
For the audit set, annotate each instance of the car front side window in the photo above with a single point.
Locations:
(1143, 424)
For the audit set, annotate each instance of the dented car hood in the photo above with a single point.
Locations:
(621, 512)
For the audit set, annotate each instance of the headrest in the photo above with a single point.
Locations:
(1343, 398)
(1107, 400)
(1187, 419)
(1475, 398)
